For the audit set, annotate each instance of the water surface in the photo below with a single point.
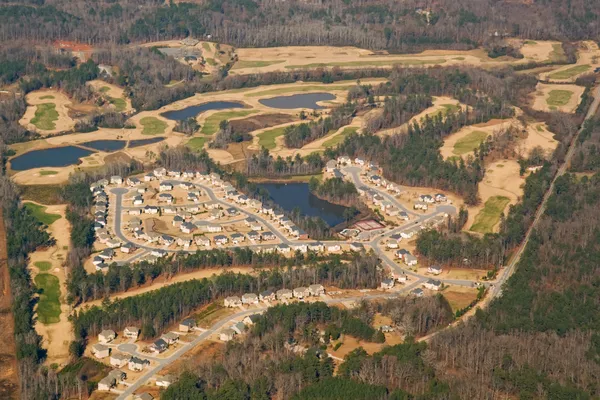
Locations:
(292, 195)
(193, 111)
(54, 157)
(105, 145)
(143, 142)
(305, 100)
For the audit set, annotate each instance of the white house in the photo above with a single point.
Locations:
(284, 294)
(137, 364)
(165, 381)
(333, 248)
(249, 298)
(165, 198)
(387, 284)
(433, 284)
(410, 260)
(119, 360)
(434, 269)
(316, 289)
(131, 332)
(107, 336)
(267, 295)
(232, 301)
(165, 186)
(116, 180)
(227, 335)
(100, 351)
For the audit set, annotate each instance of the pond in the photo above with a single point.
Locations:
(291, 195)
(306, 100)
(105, 145)
(143, 142)
(193, 111)
(54, 157)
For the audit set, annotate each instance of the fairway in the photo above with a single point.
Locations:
(469, 142)
(266, 139)
(334, 141)
(153, 126)
(104, 89)
(569, 72)
(211, 124)
(255, 64)
(43, 266)
(46, 173)
(196, 143)
(48, 97)
(377, 63)
(48, 308)
(119, 104)
(39, 212)
(490, 215)
(45, 116)
(557, 98)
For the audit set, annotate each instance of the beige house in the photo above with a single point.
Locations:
(107, 336)
(100, 351)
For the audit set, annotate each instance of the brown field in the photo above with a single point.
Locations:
(262, 121)
(459, 297)
(205, 350)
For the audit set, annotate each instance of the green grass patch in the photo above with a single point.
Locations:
(211, 61)
(570, 72)
(40, 213)
(557, 98)
(46, 173)
(266, 139)
(43, 266)
(104, 89)
(206, 46)
(196, 143)
(48, 308)
(211, 124)
(450, 108)
(45, 116)
(47, 97)
(540, 128)
(339, 138)
(530, 42)
(369, 63)
(459, 58)
(469, 143)
(255, 64)
(120, 104)
(300, 89)
(153, 126)
(489, 216)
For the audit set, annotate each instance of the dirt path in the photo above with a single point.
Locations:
(57, 336)
(9, 379)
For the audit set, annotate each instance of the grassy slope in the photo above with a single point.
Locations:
(153, 126)
(48, 308)
(267, 138)
(45, 115)
(211, 124)
(40, 213)
(489, 216)
(569, 72)
(469, 142)
(337, 139)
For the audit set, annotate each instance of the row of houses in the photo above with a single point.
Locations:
(269, 295)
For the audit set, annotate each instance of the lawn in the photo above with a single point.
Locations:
(45, 115)
(469, 143)
(211, 124)
(530, 42)
(558, 98)
(299, 89)
(48, 308)
(196, 143)
(45, 173)
(206, 46)
(490, 215)
(153, 126)
(369, 63)
(569, 72)
(47, 97)
(120, 104)
(266, 139)
(255, 64)
(40, 213)
(337, 139)
(43, 266)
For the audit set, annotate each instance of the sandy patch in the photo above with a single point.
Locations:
(112, 91)
(538, 135)
(62, 103)
(490, 128)
(542, 95)
(537, 50)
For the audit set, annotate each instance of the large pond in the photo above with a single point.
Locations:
(143, 142)
(291, 195)
(193, 111)
(306, 100)
(105, 145)
(54, 157)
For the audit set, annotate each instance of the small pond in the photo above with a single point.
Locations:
(193, 111)
(143, 142)
(54, 157)
(292, 195)
(105, 145)
(306, 100)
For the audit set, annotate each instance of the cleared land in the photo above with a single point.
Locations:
(380, 63)
(153, 126)
(40, 213)
(48, 307)
(459, 297)
(211, 123)
(45, 116)
(255, 63)
(469, 142)
(339, 138)
(267, 139)
(557, 97)
(490, 215)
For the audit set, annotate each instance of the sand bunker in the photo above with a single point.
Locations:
(62, 122)
(554, 97)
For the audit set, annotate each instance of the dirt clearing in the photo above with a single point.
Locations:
(554, 97)
(460, 297)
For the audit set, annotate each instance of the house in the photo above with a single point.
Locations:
(356, 247)
(215, 214)
(330, 166)
(253, 236)
(267, 295)
(255, 226)
(333, 248)
(359, 161)
(149, 177)
(107, 254)
(417, 292)
(158, 252)
(237, 238)
(165, 198)
(128, 248)
(165, 186)
(177, 221)
(268, 235)
(251, 319)
(119, 360)
(434, 269)
(232, 212)
(301, 247)
(410, 260)
(284, 294)
(212, 205)
(256, 204)
(239, 328)
(403, 215)
(214, 228)
(391, 244)
(193, 209)
(107, 336)
(227, 335)
(440, 197)
(220, 240)
(170, 210)
(107, 383)
(98, 261)
(167, 240)
(160, 172)
(316, 246)
(116, 180)
(170, 338)
(420, 205)
(131, 332)
(249, 298)
(233, 301)
(187, 325)
(144, 396)
(301, 292)
(165, 381)
(138, 200)
(344, 160)
(202, 241)
(316, 289)
(387, 284)
(150, 210)
(137, 364)
(159, 346)
(426, 198)
(402, 278)
(433, 284)
(133, 182)
(100, 351)
(186, 185)
(187, 227)
(174, 173)
(184, 242)
(283, 248)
